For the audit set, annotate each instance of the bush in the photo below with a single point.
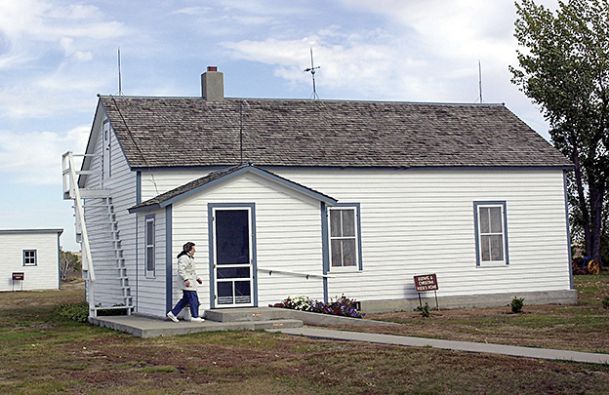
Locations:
(605, 302)
(75, 312)
(342, 306)
(517, 304)
(424, 310)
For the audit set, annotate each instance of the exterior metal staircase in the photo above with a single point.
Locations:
(71, 191)
(117, 248)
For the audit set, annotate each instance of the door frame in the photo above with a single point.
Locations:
(251, 207)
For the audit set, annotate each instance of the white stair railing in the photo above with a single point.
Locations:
(70, 187)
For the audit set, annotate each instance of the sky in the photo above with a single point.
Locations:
(56, 56)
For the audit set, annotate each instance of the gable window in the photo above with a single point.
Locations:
(30, 258)
(491, 233)
(107, 152)
(149, 238)
(345, 243)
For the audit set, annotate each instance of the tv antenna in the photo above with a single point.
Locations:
(120, 82)
(313, 69)
(480, 80)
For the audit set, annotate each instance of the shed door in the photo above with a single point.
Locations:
(233, 267)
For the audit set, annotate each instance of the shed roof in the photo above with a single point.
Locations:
(217, 177)
(184, 132)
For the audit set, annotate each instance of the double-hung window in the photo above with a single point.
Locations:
(150, 246)
(345, 244)
(30, 258)
(491, 233)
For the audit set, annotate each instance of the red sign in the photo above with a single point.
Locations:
(426, 282)
(18, 276)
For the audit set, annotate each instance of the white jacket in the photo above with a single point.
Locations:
(187, 271)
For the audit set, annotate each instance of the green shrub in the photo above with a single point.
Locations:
(75, 312)
(605, 302)
(424, 310)
(517, 304)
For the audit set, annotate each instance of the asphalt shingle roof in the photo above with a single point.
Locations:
(170, 132)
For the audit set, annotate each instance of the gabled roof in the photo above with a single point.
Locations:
(217, 177)
(183, 132)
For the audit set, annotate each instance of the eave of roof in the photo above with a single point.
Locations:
(218, 177)
(29, 231)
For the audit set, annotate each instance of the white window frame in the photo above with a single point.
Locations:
(356, 237)
(147, 247)
(35, 257)
(479, 234)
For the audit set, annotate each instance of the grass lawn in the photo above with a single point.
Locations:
(41, 353)
(582, 327)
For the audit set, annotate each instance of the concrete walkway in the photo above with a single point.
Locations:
(516, 351)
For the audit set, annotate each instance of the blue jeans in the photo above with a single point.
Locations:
(188, 298)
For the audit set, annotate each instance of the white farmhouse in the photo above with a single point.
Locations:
(318, 198)
(29, 259)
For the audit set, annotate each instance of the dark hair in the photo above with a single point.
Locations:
(185, 248)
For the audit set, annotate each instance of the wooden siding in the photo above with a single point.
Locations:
(123, 191)
(421, 221)
(287, 233)
(151, 289)
(413, 222)
(45, 275)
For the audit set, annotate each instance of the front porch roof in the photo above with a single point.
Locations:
(221, 176)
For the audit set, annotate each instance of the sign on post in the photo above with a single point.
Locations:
(425, 283)
(18, 276)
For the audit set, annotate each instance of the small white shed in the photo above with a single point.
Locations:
(29, 259)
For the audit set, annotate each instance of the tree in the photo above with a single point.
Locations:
(69, 264)
(564, 67)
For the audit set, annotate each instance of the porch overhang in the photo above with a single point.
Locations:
(219, 177)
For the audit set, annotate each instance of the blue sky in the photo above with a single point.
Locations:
(55, 56)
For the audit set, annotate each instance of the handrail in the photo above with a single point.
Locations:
(67, 159)
(307, 275)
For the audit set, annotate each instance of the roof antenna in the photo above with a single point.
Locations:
(480, 80)
(312, 70)
(120, 85)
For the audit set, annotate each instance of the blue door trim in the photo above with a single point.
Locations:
(168, 258)
(210, 233)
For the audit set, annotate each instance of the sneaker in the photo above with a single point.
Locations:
(172, 317)
(197, 319)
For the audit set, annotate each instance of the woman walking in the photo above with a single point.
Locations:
(188, 274)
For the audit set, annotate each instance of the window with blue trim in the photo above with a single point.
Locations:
(491, 233)
(149, 239)
(344, 237)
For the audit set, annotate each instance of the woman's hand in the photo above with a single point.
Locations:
(199, 280)
(187, 283)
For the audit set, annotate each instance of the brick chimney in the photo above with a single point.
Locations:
(212, 84)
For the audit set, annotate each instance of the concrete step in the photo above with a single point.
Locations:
(148, 327)
(245, 314)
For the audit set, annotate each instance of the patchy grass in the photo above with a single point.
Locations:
(582, 327)
(43, 353)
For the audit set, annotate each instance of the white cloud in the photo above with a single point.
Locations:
(426, 51)
(35, 157)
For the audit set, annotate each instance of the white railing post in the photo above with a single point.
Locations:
(80, 217)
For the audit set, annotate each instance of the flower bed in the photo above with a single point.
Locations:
(342, 306)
